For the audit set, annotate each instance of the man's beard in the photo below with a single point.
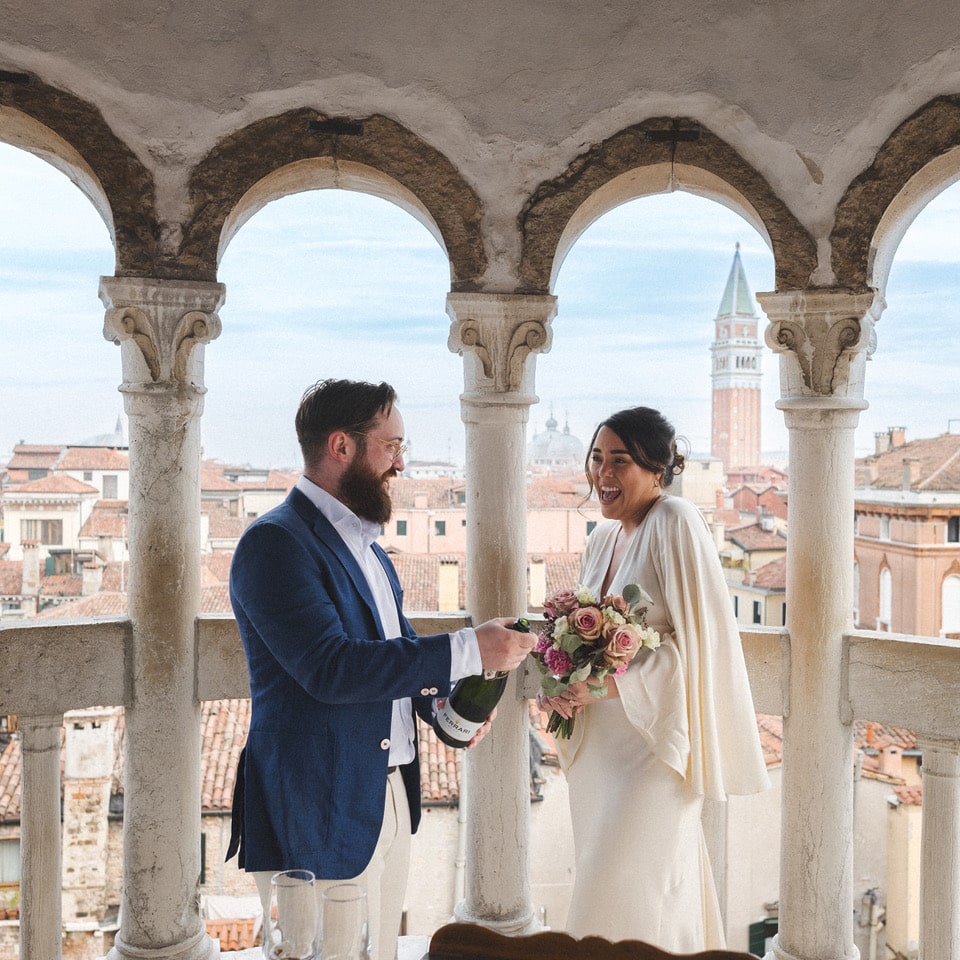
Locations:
(365, 492)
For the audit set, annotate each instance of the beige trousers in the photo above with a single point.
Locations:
(385, 877)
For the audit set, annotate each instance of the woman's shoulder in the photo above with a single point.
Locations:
(674, 506)
(678, 511)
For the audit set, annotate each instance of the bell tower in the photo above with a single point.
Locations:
(736, 352)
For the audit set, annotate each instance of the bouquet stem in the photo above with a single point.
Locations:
(559, 726)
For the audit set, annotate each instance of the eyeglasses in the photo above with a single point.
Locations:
(397, 447)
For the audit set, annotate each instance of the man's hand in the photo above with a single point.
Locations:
(500, 647)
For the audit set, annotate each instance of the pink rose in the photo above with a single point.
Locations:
(616, 602)
(560, 604)
(622, 641)
(587, 622)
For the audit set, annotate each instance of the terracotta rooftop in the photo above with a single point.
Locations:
(61, 585)
(937, 465)
(27, 456)
(871, 735)
(11, 577)
(10, 779)
(52, 483)
(909, 795)
(441, 493)
(772, 575)
(556, 493)
(212, 478)
(116, 576)
(223, 731)
(216, 566)
(109, 518)
(753, 537)
(233, 935)
(869, 738)
(770, 729)
(223, 524)
(93, 458)
(107, 603)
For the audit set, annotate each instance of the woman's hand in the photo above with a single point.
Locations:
(575, 698)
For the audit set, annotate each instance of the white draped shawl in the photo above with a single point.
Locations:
(690, 698)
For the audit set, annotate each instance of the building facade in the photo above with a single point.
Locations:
(907, 536)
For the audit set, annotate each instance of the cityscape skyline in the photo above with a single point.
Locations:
(329, 283)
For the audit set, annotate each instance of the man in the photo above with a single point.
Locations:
(330, 779)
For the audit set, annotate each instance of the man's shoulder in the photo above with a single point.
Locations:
(295, 513)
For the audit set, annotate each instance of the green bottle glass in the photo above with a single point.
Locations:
(471, 701)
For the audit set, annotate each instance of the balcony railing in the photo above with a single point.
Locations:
(52, 668)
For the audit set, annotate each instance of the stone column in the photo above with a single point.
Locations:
(940, 850)
(40, 909)
(161, 327)
(823, 337)
(498, 336)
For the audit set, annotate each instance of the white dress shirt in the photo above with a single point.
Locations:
(359, 534)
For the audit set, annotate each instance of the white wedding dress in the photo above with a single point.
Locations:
(638, 767)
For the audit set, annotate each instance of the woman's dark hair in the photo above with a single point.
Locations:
(349, 405)
(649, 438)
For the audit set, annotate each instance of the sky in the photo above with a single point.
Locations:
(333, 283)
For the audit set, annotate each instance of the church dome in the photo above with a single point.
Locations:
(555, 449)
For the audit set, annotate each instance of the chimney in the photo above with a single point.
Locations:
(448, 586)
(87, 777)
(30, 584)
(538, 583)
(891, 762)
(898, 437)
(92, 577)
(881, 442)
(911, 473)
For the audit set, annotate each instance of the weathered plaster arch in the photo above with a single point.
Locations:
(918, 160)
(72, 136)
(301, 150)
(657, 155)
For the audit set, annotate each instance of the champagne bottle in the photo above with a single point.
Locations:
(471, 701)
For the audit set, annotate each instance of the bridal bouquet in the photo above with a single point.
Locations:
(586, 639)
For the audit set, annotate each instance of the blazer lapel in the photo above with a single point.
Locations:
(325, 532)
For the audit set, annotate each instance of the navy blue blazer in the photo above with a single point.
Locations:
(312, 778)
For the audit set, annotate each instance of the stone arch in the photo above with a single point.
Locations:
(918, 160)
(302, 149)
(658, 155)
(72, 135)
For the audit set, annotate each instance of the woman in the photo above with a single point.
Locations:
(677, 726)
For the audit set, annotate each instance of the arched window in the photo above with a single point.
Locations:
(886, 599)
(950, 605)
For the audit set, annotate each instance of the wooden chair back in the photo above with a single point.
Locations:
(469, 941)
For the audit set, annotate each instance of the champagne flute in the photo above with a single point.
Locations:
(346, 930)
(291, 929)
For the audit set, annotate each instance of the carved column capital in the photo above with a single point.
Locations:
(499, 332)
(824, 338)
(158, 325)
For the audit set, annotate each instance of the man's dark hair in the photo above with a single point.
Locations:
(349, 405)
